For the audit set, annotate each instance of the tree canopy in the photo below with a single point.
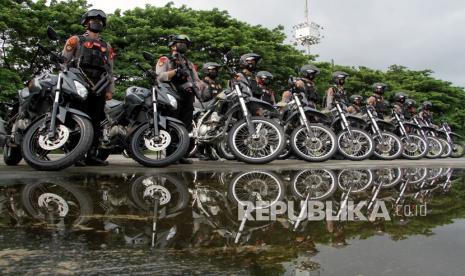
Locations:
(23, 23)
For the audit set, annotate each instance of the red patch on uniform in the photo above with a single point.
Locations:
(163, 59)
(112, 53)
(196, 67)
(72, 41)
(88, 44)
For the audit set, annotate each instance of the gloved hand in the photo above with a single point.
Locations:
(182, 73)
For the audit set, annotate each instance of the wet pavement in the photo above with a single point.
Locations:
(186, 219)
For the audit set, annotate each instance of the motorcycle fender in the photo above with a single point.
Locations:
(62, 112)
(174, 120)
(251, 101)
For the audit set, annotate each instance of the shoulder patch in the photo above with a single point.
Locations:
(71, 43)
(162, 61)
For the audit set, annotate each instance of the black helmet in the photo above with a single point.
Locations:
(355, 98)
(173, 39)
(92, 14)
(427, 105)
(264, 77)
(244, 60)
(210, 66)
(400, 97)
(379, 87)
(410, 103)
(339, 75)
(308, 69)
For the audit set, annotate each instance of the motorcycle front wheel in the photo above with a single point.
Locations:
(263, 146)
(388, 146)
(415, 147)
(172, 144)
(457, 150)
(70, 143)
(318, 146)
(434, 147)
(357, 145)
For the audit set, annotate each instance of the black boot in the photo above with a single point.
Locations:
(185, 161)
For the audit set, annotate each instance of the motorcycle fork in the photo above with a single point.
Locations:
(345, 200)
(245, 111)
(374, 124)
(303, 117)
(56, 102)
(375, 196)
(156, 130)
(303, 210)
(344, 123)
(155, 219)
(402, 191)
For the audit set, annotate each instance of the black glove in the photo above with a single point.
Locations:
(182, 73)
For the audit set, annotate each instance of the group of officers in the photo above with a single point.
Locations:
(94, 57)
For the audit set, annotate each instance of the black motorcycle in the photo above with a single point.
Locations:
(64, 133)
(309, 137)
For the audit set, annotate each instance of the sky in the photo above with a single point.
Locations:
(419, 34)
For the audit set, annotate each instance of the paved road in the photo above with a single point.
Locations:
(120, 164)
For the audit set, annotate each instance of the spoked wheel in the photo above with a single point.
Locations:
(415, 175)
(50, 153)
(434, 147)
(356, 146)
(355, 180)
(319, 145)
(457, 150)
(259, 188)
(387, 146)
(224, 151)
(387, 177)
(415, 147)
(446, 148)
(12, 155)
(171, 145)
(260, 147)
(172, 193)
(50, 202)
(317, 184)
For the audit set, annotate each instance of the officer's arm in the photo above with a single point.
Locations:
(371, 101)
(162, 70)
(111, 87)
(329, 98)
(70, 49)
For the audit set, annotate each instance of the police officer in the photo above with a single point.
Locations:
(399, 101)
(264, 79)
(307, 81)
(182, 74)
(377, 99)
(212, 87)
(337, 90)
(426, 113)
(410, 109)
(356, 104)
(94, 57)
(248, 64)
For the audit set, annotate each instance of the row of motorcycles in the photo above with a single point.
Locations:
(48, 128)
(158, 210)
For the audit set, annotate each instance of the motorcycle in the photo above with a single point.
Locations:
(388, 146)
(433, 131)
(415, 147)
(354, 143)
(142, 127)
(309, 138)
(435, 148)
(252, 136)
(63, 135)
(453, 138)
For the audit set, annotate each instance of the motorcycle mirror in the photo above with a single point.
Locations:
(51, 33)
(148, 56)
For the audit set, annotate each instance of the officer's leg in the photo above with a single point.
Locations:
(97, 115)
(186, 110)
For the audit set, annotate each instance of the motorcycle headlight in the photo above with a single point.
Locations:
(81, 90)
(173, 101)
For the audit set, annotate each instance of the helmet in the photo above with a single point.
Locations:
(427, 105)
(308, 69)
(92, 14)
(210, 66)
(410, 103)
(379, 87)
(244, 60)
(339, 75)
(173, 39)
(400, 97)
(355, 98)
(264, 77)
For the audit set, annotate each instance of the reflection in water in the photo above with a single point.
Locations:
(200, 210)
